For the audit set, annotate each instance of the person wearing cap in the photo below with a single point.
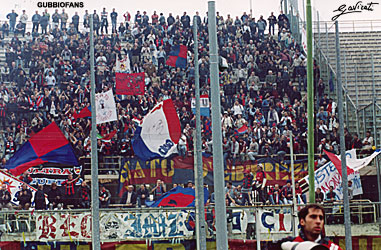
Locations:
(260, 183)
(311, 235)
(129, 198)
(104, 197)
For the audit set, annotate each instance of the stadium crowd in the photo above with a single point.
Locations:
(46, 78)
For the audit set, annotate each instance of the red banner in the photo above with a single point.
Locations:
(130, 84)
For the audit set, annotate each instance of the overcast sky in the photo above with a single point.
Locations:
(177, 7)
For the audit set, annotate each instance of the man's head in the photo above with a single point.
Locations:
(4, 187)
(311, 219)
(130, 188)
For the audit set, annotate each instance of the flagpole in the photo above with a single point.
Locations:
(95, 234)
(218, 164)
(347, 218)
(198, 174)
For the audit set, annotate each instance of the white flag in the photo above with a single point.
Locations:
(123, 65)
(13, 186)
(105, 107)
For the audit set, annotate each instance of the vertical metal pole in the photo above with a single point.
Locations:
(257, 229)
(294, 210)
(95, 235)
(200, 210)
(218, 165)
(357, 103)
(327, 49)
(318, 28)
(310, 107)
(304, 15)
(346, 88)
(251, 8)
(375, 132)
(285, 7)
(347, 218)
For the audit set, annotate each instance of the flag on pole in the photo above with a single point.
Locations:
(106, 108)
(123, 65)
(85, 112)
(178, 56)
(48, 145)
(159, 132)
(130, 84)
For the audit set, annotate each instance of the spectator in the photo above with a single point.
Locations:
(275, 195)
(301, 198)
(253, 149)
(12, 20)
(260, 183)
(24, 197)
(5, 198)
(70, 190)
(158, 190)
(36, 22)
(39, 198)
(64, 17)
(54, 197)
(143, 195)
(319, 196)
(350, 190)
(367, 143)
(84, 195)
(104, 21)
(286, 193)
(129, 198)
(104, 197)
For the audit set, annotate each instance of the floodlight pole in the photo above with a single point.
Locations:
(218, 165)
(198, 173)
(347, 217)
(95, 235)
(310, 107)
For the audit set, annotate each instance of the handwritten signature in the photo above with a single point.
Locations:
(357, 8)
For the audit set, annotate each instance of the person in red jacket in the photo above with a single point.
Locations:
(311, 220)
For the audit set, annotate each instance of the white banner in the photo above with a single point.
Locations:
(123, 65)
(328, 175)
(105, 107)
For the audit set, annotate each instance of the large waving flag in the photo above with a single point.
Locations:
(353, 164)
(159, 132)
(178, 197)
(48, 145)
(178, 56)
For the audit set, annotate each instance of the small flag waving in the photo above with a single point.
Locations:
(85, 112)
(129, 84)
(48, 145)
(178, 197)
(159, 132)
(178, 56)
(106, 109)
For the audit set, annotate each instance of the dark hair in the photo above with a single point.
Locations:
(304, 211)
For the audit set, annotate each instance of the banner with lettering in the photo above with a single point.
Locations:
(328, 175)
(179, 170)
(46, 175)
(152, 225)
(129, 84)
